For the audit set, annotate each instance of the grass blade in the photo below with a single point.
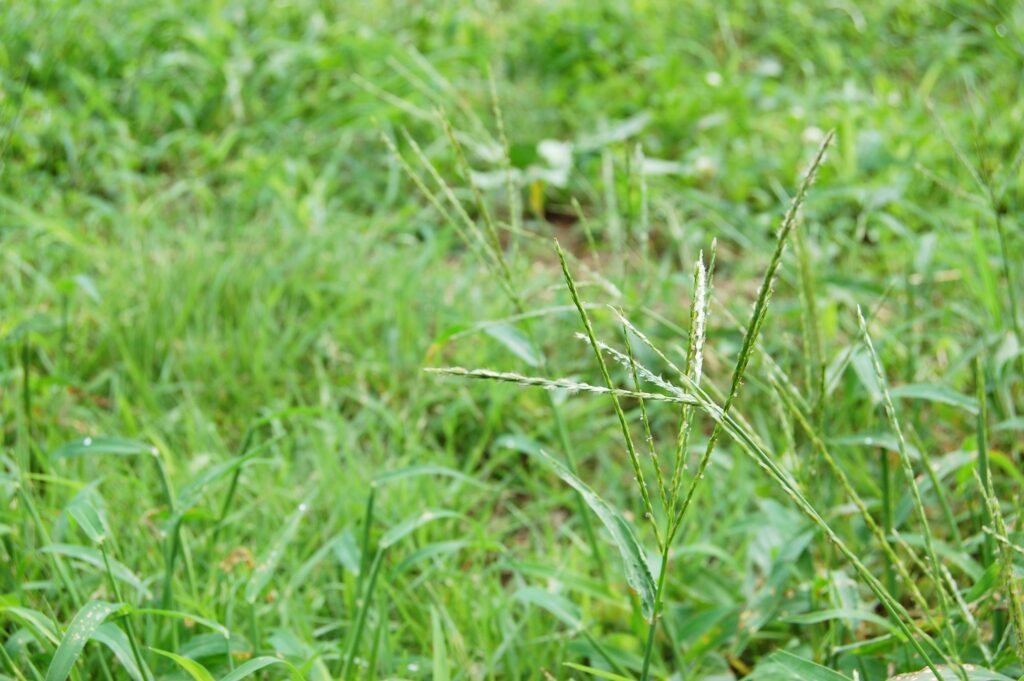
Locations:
(84, 624)
(439, 670)
(256, 664)
(634, 459)
(111, 635)
(935, 571)
(634, 559)
(96, 446)
(267, 564)
(197, 671)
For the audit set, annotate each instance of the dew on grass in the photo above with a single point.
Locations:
(87, 441)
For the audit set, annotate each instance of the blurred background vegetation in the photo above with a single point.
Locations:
(200, 227)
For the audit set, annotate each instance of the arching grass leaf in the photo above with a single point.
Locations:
(93, 557)
(599, 673)
(427, 469)
(515, 341)
(440, 669)
(99, 446)
(556, 604)
(638, 573)
(931, 392)
(256, 664)
(267, 563)
(85, 622)
(111, 635)
(413, 523)
(39, 624)
(197, 671)
(89, 514)
(178, 615)
(785, 666)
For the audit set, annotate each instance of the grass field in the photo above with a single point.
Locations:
(233, 236)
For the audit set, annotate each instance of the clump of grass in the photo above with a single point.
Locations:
(668, 487)
(205, 254)
(674, 505)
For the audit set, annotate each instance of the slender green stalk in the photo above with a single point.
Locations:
(908, 471)
(940, 492)
(129, 628)
(646, 423)
(814, 361)
(988, 550)
(364, 550)
(887, 507)
(984, 479)
(353, 649)
(511, 192)
(588, 231)
(623, 425)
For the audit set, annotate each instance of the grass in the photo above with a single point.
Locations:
(235, 234)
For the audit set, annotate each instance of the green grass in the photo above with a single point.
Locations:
(220, 454)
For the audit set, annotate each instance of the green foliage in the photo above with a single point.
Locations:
(220, 290)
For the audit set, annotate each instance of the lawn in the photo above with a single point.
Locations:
(511, 340)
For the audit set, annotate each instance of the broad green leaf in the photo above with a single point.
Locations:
(426, 469)
(948, 553)
(515, 341)
(85, 622)
(440, 668)
(519, 443)
(41, 323)
(429, 551)
(861, 363)
(619, 131)
(988, 580)
(41, 625)
(599, 673)
(411, 524)
(785, 666)
(88, 513)
(267, 563)
(93, 557)
(880, 440)
(346, 550)
(1015, 423)
(554, 603)
(197, 671)
(110, 635)
(300, 576)
(211, 645)
(256, 664)
(178, 615)
(1006, 463)
(936, 393)
(189, 495)
(638, 573)
(95, 446)
(842, 614)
